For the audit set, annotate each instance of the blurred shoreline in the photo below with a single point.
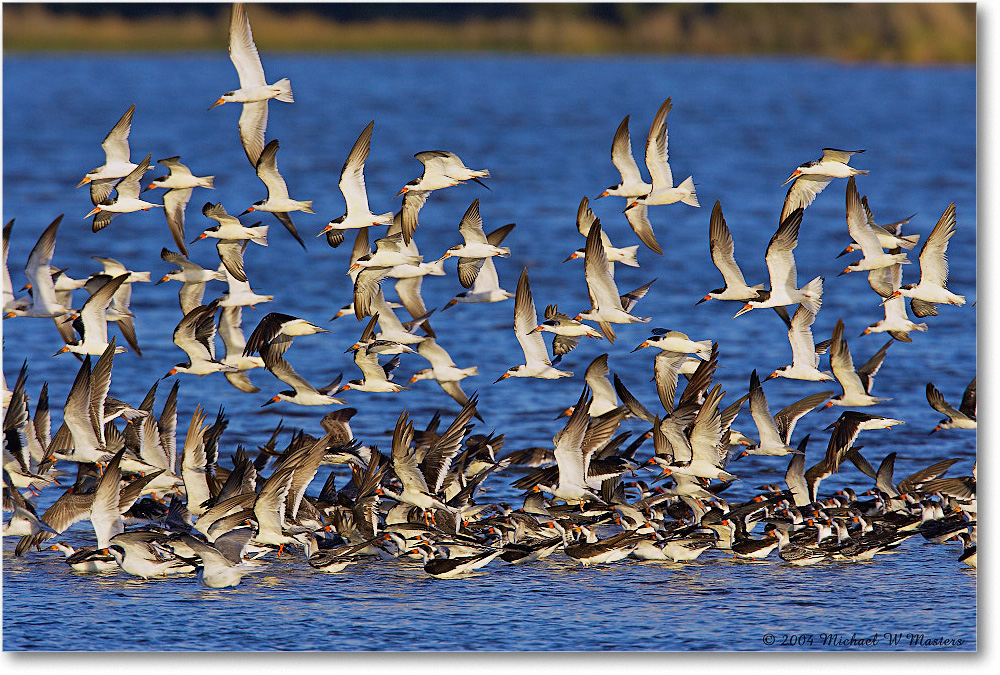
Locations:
(916, 33)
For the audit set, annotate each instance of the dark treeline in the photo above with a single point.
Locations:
(617, 13)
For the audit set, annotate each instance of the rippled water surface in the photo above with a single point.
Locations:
(543, 127)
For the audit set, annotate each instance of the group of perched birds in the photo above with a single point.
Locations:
(592, 495)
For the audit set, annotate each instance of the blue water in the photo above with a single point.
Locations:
(543, 127)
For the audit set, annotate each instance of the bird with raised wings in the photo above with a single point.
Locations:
(352, 185)
(536, 356)
(254, 91)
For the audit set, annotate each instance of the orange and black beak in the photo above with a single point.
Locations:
(218, 102)
(795, 174)
(273, 399)
(707, 297)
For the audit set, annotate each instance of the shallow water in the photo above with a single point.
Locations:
(543, 127)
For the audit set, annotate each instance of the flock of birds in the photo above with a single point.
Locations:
(591, 495)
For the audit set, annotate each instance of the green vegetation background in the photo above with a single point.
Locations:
(891, 32)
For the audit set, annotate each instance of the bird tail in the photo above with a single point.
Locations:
(306, 206)
(858, 172)
(909, 241)
(384, 219)
(690, 198)
(705, 349)
(470, 371)
(813, 292)
(208, 182)
(260, 235)
(436, 268)
(629, 253)
(504, 251)
(284, 87)
(485, 173)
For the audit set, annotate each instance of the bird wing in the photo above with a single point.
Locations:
(95, 311)
(438, 458)
(471, 227)
(281, 369)
(366, 286)
(638, 219)
(802, 193)
(600, 284)
(497, 236)
(842, 156)
(368, 363)
(253, 125)
(568, 444)
(404, 461)
(630, 299)
(525, 321)
(468, 270)
(454, 389)
(666, 367)
(720, 243)
(868, 371)
(435, 353)
(413, 201)
(105, 515)
(564, 344)
(100, 189)
(243, 51)
(175, 166)
(267, 171)
(857, 223)
(439, 161)
(779, 257)
(761, 415)
(933, 255)
(269, 507)
(968, 405)
(584, 214)
(882, 280)
(231, 331)
(69, 509)
(194, 334)
(38, 269)
(938, 402)
(387, 319)
(842, 364)
(115, 144)
(129, 185)
(800, 337)
(794, 478)
(266, 330)
(231, 255)
(487, 279)
(352, 175)
(707, 429)
(656, 149)
(621, 157)
(786, 418)
(174, 203)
